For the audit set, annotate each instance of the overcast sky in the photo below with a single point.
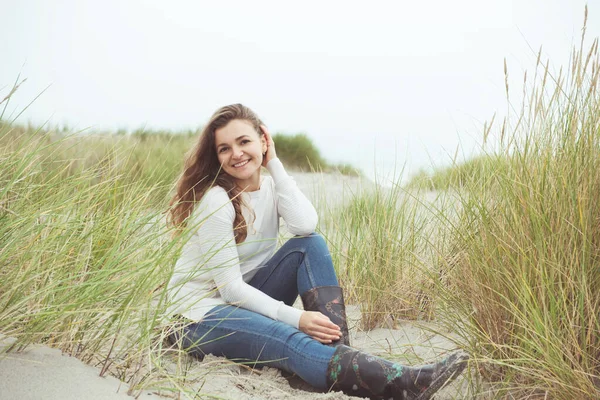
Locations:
(377, 84)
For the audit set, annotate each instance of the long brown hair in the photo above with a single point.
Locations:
(202, 171)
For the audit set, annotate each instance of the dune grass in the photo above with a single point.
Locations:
(380, 241)
(522, 287)
(85, 252)
(516, 249)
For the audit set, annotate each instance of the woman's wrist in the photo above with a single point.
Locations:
(277, 171)
(289, 315)
(274, 158)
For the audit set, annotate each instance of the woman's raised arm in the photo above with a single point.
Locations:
(292, 205)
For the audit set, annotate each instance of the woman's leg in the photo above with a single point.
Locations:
(247, 337)
(301, 264)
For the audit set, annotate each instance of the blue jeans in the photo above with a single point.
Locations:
(302, 263)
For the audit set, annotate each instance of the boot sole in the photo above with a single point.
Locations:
(452, 372)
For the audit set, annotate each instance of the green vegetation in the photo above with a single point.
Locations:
(152, 160)
(525, 251)
(513, 249)
(299, 152)
(460, 174)
(378, 241)
(84, 250)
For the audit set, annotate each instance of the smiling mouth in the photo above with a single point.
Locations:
(241, 164)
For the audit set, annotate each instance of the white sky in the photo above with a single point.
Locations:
(376, 84)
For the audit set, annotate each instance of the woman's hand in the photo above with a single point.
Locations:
(270, 146)
(317, 325)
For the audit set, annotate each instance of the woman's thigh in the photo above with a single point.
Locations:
(251, 338)
(299, 265)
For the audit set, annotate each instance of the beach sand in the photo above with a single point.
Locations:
(40, 372)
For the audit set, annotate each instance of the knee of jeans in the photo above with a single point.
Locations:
(173, 338)
(315, 240)
(178, 340)
(285, 334)
(312, 239)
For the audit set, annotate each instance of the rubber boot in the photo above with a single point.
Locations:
(359, 374)
(329, 300)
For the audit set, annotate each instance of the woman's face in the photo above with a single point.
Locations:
(239, 150)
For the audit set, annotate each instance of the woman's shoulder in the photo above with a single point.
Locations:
(215, 196)
(215, 192)
(215, 200)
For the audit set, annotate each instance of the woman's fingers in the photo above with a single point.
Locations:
(324, 338)
(329, 331)
(319, 327)
(325, 334)
(267, 134)
(326, 323)
(268, 137)
(270, 145)
(324, 330)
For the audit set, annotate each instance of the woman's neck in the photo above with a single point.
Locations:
(249, 186)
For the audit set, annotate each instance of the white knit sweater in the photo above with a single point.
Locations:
(213, 270)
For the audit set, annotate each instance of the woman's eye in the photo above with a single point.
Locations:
(222, 149)
(245, 141)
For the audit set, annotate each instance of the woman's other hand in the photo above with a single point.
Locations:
(319, 327)
(270, 146)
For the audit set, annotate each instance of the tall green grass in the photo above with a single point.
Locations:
(515, 236)
(382, 241)
(85, 254)
(523, 282)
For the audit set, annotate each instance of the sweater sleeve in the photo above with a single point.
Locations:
(216, 242)
(292, 205)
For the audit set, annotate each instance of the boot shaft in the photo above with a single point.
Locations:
(329, 300)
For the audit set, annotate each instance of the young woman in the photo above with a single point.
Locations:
(235, 291)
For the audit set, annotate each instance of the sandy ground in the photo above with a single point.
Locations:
(40, 372)
(44, 373)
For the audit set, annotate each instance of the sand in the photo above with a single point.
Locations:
(40, 372)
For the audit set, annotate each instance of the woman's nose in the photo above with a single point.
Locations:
(237, 152)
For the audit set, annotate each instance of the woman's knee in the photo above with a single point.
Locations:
(312, 240)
